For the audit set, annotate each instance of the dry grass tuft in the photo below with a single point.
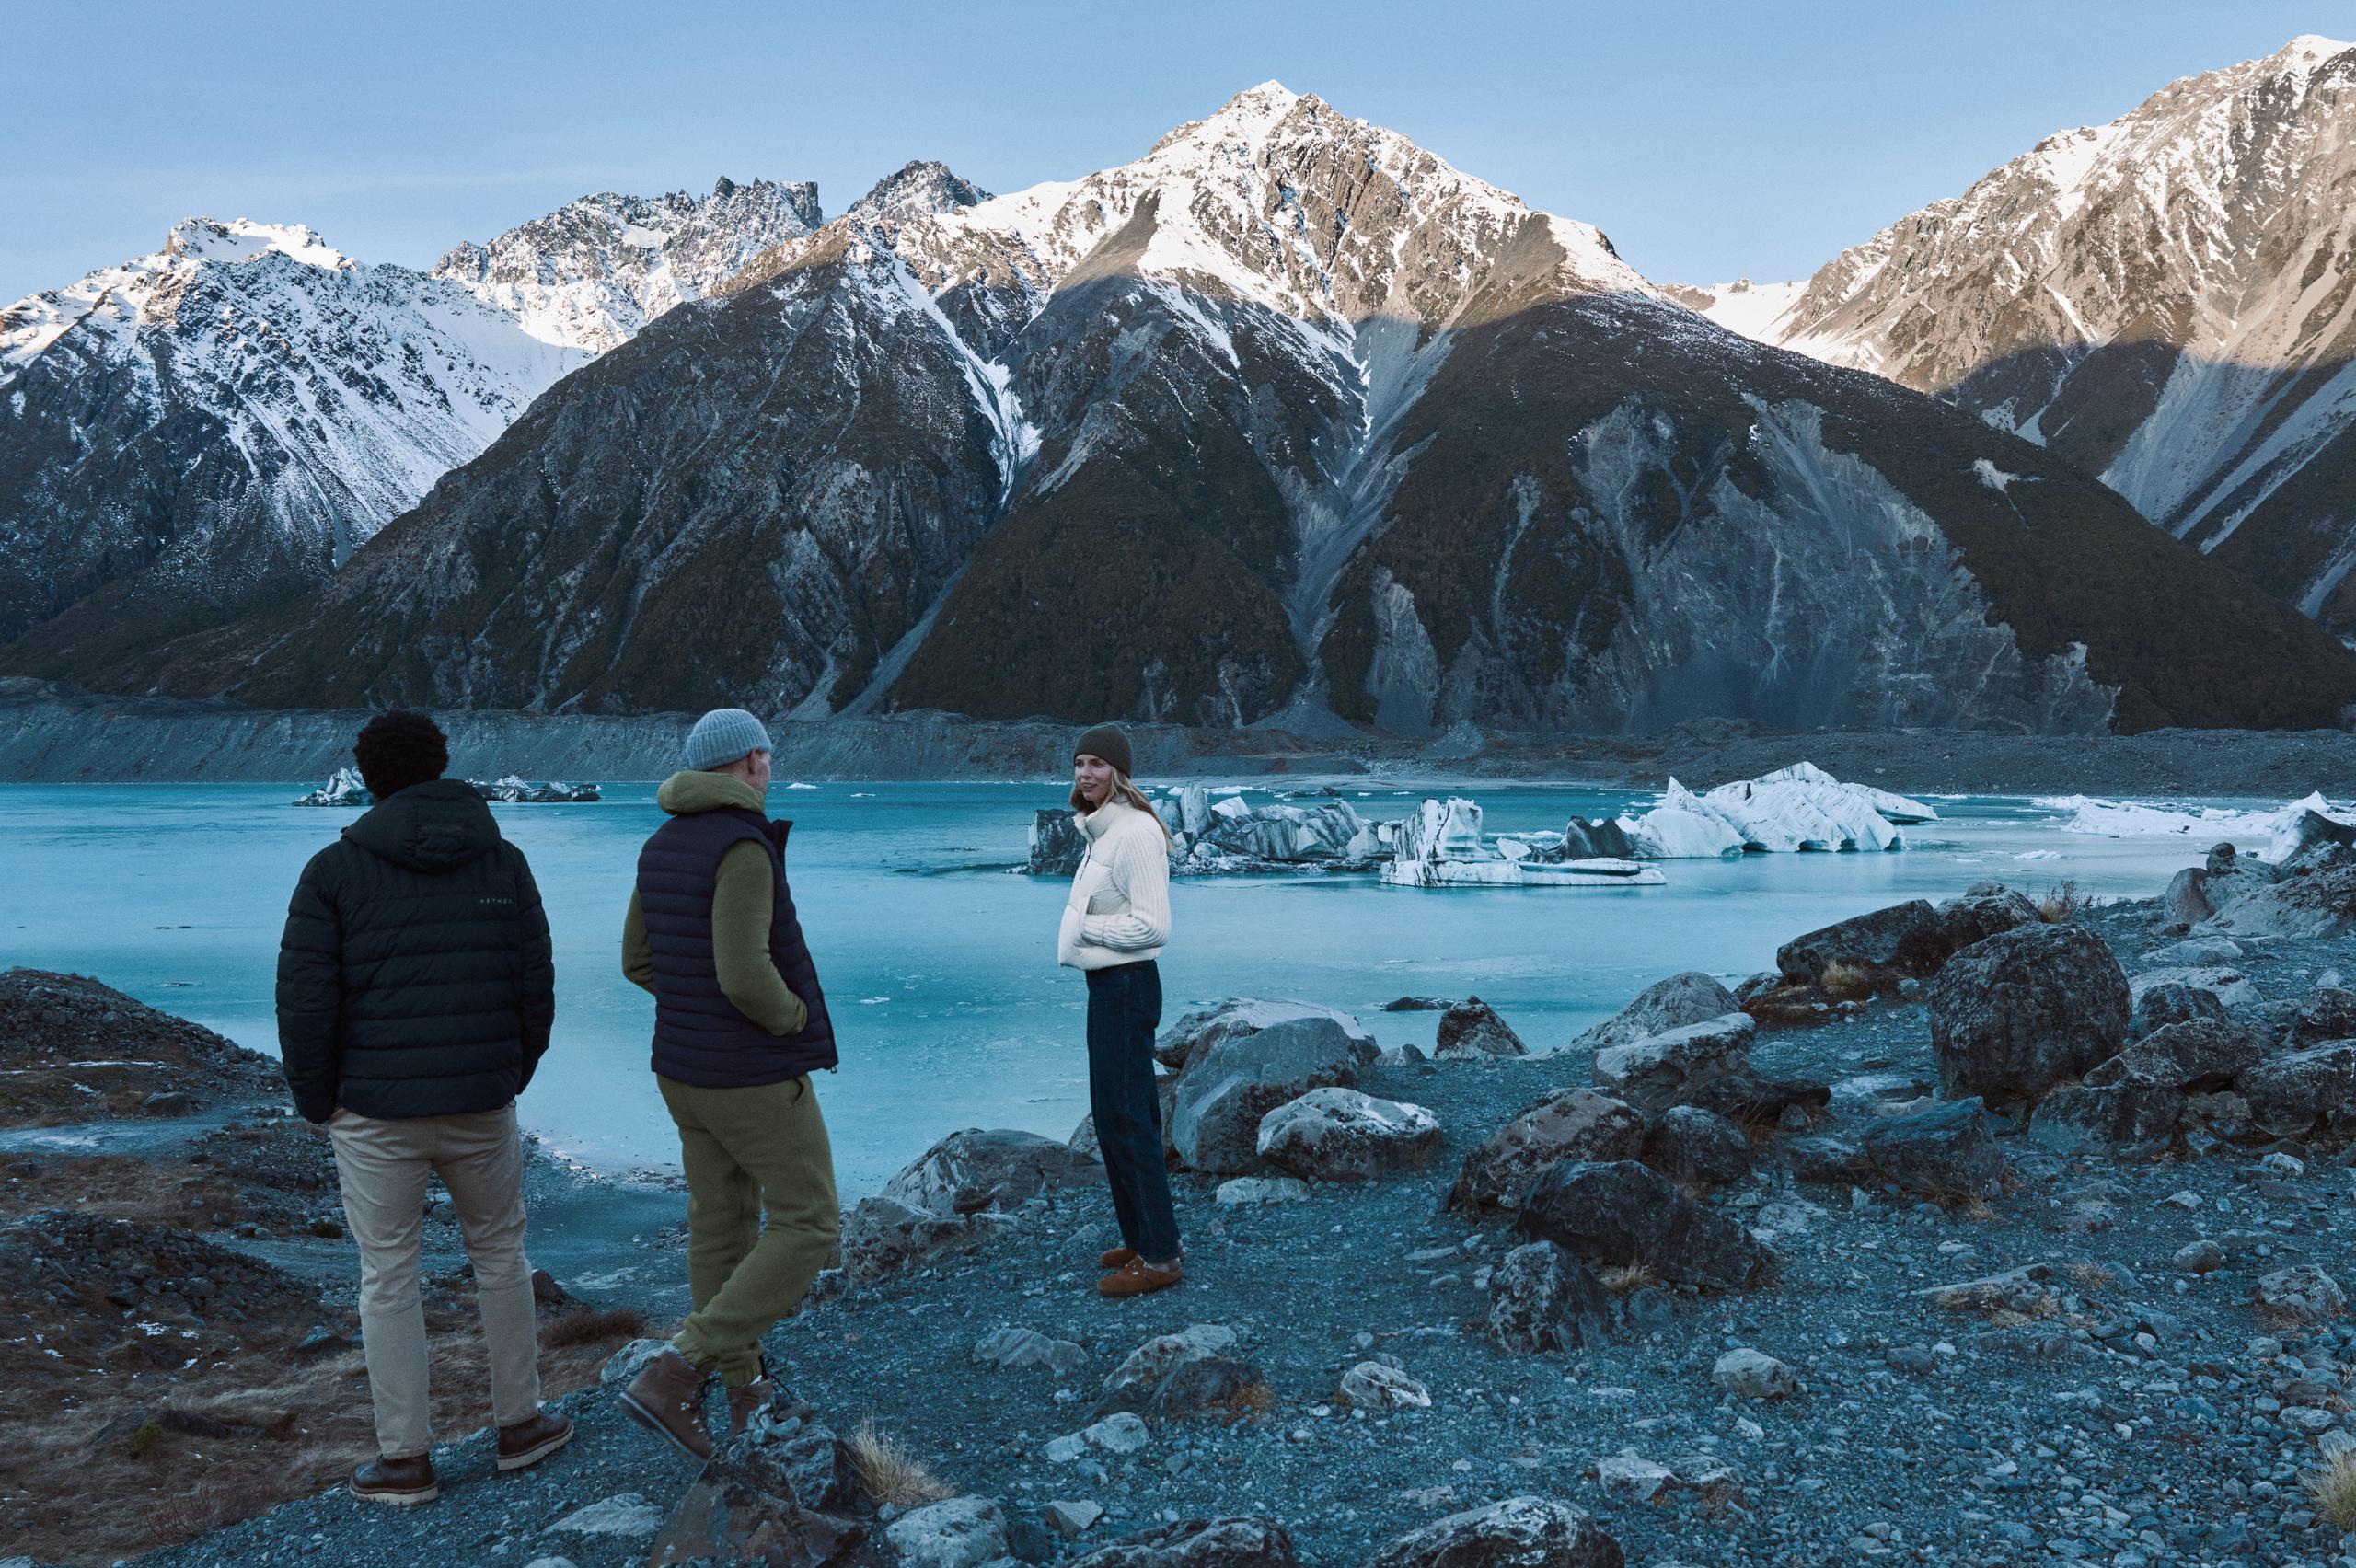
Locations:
(2062, 903)
(1621, 1278)
(1846, 982)
(2333, 1486)
(2091, 1277)
(1253, 1400)
(891, 1474)
(593, 1325)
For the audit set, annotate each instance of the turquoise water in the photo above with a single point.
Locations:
(939, 965)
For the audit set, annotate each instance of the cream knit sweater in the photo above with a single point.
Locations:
(1119, 909)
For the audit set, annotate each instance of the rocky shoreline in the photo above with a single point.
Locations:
(1992, 1233)
(51, 734)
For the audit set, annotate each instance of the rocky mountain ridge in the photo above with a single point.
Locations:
(228, 419)
(1288, 421)
(2166, 301)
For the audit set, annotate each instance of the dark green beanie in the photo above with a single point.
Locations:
(1107, 742)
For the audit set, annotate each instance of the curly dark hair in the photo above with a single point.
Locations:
(397, 749)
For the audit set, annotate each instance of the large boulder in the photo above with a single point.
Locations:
(2025, 1010)
(1689, 997)
(1132, 1383)
(1215, 1115)
(959, 1532)
(2203, 1054)
(2329, 1013)
(1625, 1214)
(2303, 1293)
(2171, 1001)
(1340, 1135)
(1750, 1098)
(999, 1168)
(1569, 1124)
(1519, 1532)
(1472, 1029)
(2290, 1094)
(882, 1236)
(2128, 1114)
(784, 1491)
(2320, 904)
(1198, 1543)
(1689, 1144)
(1905, 939)
(1542, 1298)
(1661, 1069)
(2187, 902)
(1984, 910)
(1196, 1034)
(1946, 1151)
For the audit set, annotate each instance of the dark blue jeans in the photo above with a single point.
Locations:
(1124, 1010)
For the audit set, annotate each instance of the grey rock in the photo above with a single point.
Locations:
(1542, 1298)
(794, 1460)
(1905, 939)
(1198, 1543)
(1946, 1151)
(1689, 1144)
(2014, 1015)
(2304, 1293)
(1196, 1034)
(1829, 1161)
(1624, 1213)
(962, 1533)
(2328, 1013)
(2199, 1257)
(1755, 1375)
(1153, 1360)
(1341, 1134)
(1984, 909)
(1518, 1532)
(2194, 953)
(2202, 1055)
(2125, 1115)
(1243, 1191)
(999, 1168)
(2289, 1095)
(1209, 1382)
(1215, 1116)
(1655, 1072)
(2172, 1001)
(1018, 1349)
(1569, 1124)
(1072, 1520)
(1472, 1029)
(1753, 1097)
(882, 1236)
(1689, 997)
(630, 1361)
(2321, 905)
(2187, 902)
(1371, 1386)
(625, 1514)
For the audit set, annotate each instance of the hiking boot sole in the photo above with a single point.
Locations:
(654, 1423)
(396, 1499)
(538, 1452)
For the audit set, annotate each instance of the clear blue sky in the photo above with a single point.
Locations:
(1709, 140)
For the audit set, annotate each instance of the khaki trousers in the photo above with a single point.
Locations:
(750, 1153)
(382, 1167)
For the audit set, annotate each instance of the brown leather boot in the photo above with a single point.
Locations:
(1141, 1279)
(404, 1484)
(744, 1402)
(526, 1443)
(1117, 1258)
(668, 1397)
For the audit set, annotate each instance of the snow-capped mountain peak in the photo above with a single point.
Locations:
(918, 189)
(242, 239)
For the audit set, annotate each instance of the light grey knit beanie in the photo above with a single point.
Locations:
(723, 735)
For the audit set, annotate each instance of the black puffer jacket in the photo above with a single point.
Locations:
(414, 978)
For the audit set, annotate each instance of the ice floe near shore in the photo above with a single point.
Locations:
(1442, 845)
(347, 789)
(2281, 826)
(1796, 808)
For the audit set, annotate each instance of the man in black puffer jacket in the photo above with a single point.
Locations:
(415, 995)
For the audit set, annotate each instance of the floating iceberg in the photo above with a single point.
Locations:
(1223, 835)
(1796, 808)
(343, 789)
(347, 789)
(2279, 826)
(1441, 845)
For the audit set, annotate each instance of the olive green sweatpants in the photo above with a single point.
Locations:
(750, 1154)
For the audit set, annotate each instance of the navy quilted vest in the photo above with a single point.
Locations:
(700, 1037)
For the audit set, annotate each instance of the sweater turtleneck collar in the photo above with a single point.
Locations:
(1100, 821)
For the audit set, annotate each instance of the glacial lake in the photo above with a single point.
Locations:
(940, 964)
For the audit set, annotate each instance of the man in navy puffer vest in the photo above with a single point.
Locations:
(740, 1024)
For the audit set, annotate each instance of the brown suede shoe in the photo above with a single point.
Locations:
(668, 1395)
(526, 1443)
(744, 1402)
(1117, 1258)
(1138, 1277)
(404, 1484)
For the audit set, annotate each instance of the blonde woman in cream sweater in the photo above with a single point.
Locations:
(1114, 926)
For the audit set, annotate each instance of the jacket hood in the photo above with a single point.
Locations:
(684, 794)
(434, 827)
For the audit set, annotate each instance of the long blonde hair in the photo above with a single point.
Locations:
(1129, 794)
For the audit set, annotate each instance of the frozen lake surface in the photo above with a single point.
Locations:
(940, 965)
